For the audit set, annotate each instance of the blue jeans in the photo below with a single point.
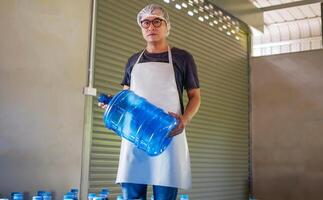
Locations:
(132, 191)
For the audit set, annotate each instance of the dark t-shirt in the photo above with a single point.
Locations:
(184, 68)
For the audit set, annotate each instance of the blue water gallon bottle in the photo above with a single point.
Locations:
(68, 197)
(119, 197)
(75, 191)
(44, 194)
(105, 190)
(135, 119)
(104, 193)
(184, 197)
(40, 192)
(17, 196)
(91, 196)
(37, 198)
(47, 196)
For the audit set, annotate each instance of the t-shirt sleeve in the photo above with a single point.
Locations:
(127, 73)
(191, 80)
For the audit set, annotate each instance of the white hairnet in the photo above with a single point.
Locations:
(148, 11)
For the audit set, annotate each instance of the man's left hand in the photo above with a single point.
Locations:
(181, 124)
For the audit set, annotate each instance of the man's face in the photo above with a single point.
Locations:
(154, 29)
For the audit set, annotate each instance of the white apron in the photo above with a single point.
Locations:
(155, 81)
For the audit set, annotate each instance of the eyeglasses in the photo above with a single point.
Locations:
(157, 22)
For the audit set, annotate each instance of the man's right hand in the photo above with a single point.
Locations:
(102, 105)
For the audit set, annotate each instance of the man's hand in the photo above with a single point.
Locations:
(102, 105)
(181, 124)
(194, 101)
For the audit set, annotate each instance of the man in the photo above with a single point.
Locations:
(159, 74)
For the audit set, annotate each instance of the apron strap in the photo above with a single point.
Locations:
(170, 60)
(140, 56)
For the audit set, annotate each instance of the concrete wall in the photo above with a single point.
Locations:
(44, 48)
(287, 126)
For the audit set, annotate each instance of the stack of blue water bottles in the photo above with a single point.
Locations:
(74, 195)
(41, 195)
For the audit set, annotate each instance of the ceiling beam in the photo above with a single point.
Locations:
(293, 21)
(287, 42)
(289, 5)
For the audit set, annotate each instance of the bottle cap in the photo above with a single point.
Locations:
(13, 193)
(105, 191)
(74, 190)
(40, 193)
